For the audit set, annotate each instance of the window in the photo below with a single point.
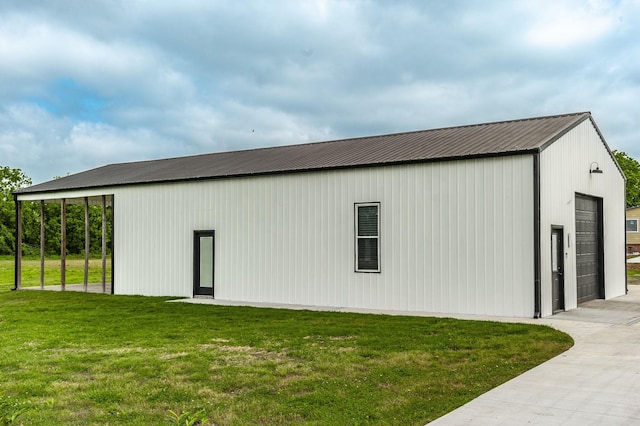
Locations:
(367, 237)
(632, 225)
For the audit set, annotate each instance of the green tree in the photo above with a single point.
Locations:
(631, 169)
(11, 179)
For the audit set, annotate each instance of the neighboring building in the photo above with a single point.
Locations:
(633, 233)
(517, 218)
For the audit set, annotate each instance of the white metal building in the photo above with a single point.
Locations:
(518, 218)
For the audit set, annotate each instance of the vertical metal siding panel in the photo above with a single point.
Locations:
(504, 220)
(282, 239)
(453, 230)
(443, 238)
(301, 240)
(328, 222)
(565, 171)
(503, 184)
(278, 218)
(433, 220)
(321, 242)
(407, 227)
(471, 232)
(516, 237)
(512, 288)
(312, 256)
(496, 227)
(461, 293)
(467, 235)
(416, 295)
(403, 234)
(466, 228)
(524, 274)
(290, 238)
(439, 225)
(396, 253)
(490, 281)
(476, 215)
(344, 237)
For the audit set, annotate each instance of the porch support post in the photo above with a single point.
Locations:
(42, 244)
(18, 245)
(86, 243)
(104, 243)
(63, 243)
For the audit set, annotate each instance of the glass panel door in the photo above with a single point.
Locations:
(557, 269)
(203, 263)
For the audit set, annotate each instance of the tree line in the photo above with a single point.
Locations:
(12, 179)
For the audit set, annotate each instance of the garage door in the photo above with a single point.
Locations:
(589, 255)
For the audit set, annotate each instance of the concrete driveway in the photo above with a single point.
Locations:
(596, 382)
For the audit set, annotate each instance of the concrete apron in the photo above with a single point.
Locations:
(596, 382)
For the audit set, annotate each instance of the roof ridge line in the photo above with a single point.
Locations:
(265, 148)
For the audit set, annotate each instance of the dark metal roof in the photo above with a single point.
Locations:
(479, 140)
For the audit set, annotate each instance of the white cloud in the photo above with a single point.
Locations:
(562, 25)
(145, 79)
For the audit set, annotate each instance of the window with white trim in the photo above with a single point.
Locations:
(367, 218)
(632, 225)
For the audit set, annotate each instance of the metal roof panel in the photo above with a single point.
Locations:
(488, 139)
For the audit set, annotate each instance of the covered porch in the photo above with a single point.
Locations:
(105, 204)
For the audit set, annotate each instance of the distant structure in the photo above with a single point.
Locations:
(633, 233)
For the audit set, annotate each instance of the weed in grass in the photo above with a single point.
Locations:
(188, 419)
(11, 410)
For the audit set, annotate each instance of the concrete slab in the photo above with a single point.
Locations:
(91, 288)
(596, 382)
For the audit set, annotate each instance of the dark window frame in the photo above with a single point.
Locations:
(197, 290)
(357, 238)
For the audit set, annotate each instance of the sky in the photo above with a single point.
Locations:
(89, 83)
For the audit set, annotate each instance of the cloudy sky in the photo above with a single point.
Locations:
(87, 83)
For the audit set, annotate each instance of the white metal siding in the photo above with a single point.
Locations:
(455, 237)
(564, 170)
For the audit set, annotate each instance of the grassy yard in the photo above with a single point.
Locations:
(75, 358)
(31, 271)
(633, 273)
(633, 276)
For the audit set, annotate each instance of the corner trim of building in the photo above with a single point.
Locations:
(536, 237)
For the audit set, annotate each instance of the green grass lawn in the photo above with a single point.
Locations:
(76, 358)
(633, 276)
(73, 358)
(31, 271)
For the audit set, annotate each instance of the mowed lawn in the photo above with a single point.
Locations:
(31, 271)
(75, 358)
